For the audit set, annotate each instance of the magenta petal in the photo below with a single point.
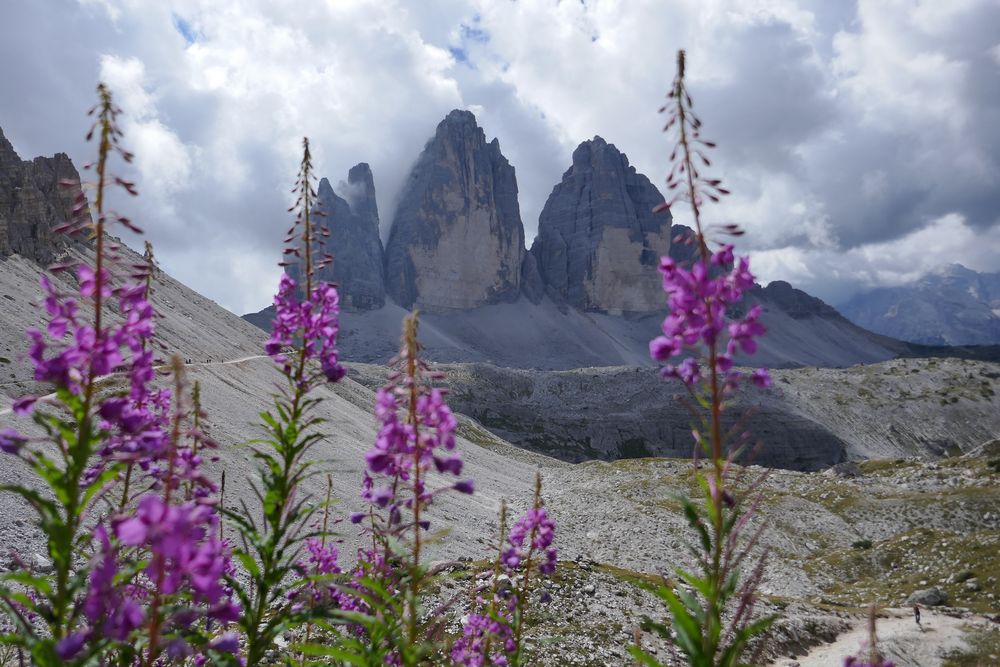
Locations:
(131, 531)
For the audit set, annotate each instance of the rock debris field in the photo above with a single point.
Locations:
(861, 532)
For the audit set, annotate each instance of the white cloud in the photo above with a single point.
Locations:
(835, 275)
(163, 162)
(844, 129)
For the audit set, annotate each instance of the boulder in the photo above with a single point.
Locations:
(928, 597)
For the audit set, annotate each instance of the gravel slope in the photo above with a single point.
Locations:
(618, 521)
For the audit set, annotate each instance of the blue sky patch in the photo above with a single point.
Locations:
(185, 29)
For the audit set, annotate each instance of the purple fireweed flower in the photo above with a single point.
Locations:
(313, 322)
(11, 441)
(70, 645)
(536, 524)
(24, 405)
(321, 561)
(177, 649)
(398, 449)
(88, 281)
(698, 301)
(183, 544)
(226, 643)
(481, 633)
(70, 352)
(761, 378)
(108, 607)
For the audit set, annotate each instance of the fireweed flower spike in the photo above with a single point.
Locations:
(303, 344)
(72, 352)
(698, 343)
(492, 631)
(407, 449)
(180, 543)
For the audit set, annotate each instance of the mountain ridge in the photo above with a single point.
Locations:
(953, 305)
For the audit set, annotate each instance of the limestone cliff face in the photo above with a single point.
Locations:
(32, 203)
(354, 239)
(457, 241)
(599, 242)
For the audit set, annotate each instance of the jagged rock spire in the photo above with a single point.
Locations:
(457, 241)
(598, 240)
(32, 203)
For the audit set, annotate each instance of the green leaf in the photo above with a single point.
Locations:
(701, 585)
(39, 584)
(249, 562)
(692, 605)
(643, 657)
(733, 652)
(687, 629)
(694, 520)
(319, 650)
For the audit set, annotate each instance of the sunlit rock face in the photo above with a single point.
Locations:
(599, 242)
(457, 241)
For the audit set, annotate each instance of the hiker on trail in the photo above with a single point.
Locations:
(916, 615)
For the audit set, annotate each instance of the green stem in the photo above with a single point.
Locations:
(77, 459)
(525, 587)
(709, 645)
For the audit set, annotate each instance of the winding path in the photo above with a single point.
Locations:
(915, 646)
(7, 410)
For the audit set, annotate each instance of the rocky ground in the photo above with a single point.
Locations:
(810, 419)
(874, 532)
(871, 531)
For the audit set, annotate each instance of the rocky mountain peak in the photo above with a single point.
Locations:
(461, 118)
(354, 239)
(457, 241)
(953, 305)
(32, 203)
(796, 303)
(598, 241)
(7, 153)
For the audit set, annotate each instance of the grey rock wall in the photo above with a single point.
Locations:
(457, 240)
(32, 203)
(599, 242)
(354, 243)
(621, 412)
(354, 240)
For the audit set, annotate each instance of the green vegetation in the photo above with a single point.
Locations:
(963, 565)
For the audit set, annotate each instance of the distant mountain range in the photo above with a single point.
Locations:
(951, 306)
(553, 321)
(587, 293)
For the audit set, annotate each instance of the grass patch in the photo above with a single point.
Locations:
(885, 466)
(892, 569)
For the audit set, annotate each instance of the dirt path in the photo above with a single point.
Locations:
(7, 410)
(899, 638)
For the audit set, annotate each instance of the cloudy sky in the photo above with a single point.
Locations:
(861, 139)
